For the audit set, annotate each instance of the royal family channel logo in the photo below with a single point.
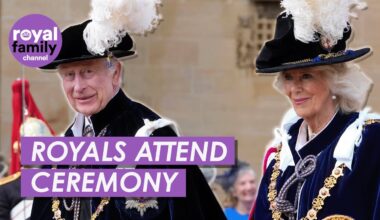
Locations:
(35, 40)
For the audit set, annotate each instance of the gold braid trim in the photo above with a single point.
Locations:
(324, 192)
(298, 61)
(10, 178)
(371, 121)
(320, 56)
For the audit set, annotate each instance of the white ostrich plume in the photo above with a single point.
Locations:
(329, 18)
(112, 19)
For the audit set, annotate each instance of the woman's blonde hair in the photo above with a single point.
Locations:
(346, 81)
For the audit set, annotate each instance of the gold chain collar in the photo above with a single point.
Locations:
(317, 203)
(55, 204)
(272, 192)
(58, 214)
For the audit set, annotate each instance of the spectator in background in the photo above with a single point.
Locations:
(239, 183)
(209, 173)
(3, 167)
(12, 205)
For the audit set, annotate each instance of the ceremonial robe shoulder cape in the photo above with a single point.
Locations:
(356, 194)
(10, 194)
(124, 117)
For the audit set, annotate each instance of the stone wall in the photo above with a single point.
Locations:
(186, 71)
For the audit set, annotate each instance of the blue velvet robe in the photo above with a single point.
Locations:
(356, 194)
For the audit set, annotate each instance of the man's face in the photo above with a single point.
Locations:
(89, 85)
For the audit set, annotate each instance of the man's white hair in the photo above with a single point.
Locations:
(346, 81)
(111, 65)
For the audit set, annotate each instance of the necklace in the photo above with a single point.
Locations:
(324, 192)
(58, 214)
(317, 203)
(67, 207)
(310, 134)
(75, 203)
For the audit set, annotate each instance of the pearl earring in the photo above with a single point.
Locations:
(333, 97)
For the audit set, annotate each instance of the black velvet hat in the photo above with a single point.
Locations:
(285, 52)
(74, 47)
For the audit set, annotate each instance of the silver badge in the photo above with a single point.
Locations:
(141, 204)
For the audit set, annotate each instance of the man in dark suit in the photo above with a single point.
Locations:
(92, 86)
(12, 205)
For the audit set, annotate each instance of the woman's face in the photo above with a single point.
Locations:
(308, 91)
(245, 187)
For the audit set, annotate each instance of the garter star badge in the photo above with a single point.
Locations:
(141, 204)
(338, 217)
